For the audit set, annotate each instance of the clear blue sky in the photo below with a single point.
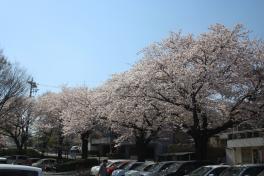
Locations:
(77, 42)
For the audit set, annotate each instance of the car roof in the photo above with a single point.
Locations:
(168, 162)
(119, 160)
(216, 166)
(47, 159)
(19, 167)
(248, 165)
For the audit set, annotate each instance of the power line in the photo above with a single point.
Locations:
(47, 85)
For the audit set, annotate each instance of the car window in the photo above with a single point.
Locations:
(12, 157)
(123, 165)
(143, 167)
(232, 171)
(188, 167)
(218, 171)
(261, 174)
(200, 171)
(252, 171)
(9, 172)
(147, 168)
(165, 166)
(22, 157)
(134, 166)
(173, 167)
(114, 164)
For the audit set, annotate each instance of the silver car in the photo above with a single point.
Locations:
(210, 170)
(243, 170)
(16, 170)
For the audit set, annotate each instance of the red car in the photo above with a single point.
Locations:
(115, 165)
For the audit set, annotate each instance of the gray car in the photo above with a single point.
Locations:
(210, 170)
(244, 170)
(157, 168)
(17, 170)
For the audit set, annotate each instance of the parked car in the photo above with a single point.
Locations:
(18, 170)
(157, 168)
(18, 159)
(210, 170)
(130, 166)
(111, 165)
(244, 170)
(261, 173)
(141, 168)
(33, 160)
(46, 164)
(181, 168)
(3, 160)
(76, 149)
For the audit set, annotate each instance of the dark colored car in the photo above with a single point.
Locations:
(261, 173)
(181, 168)
(33, 160)
(210, 170)
(3, 160)
(157, 168)
(18, 159)
(130, 166)
(244, 170)
(46, 164)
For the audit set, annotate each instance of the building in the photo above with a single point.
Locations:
(245, 146)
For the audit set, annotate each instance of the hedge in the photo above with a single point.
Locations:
(29, 152)
(76, 165)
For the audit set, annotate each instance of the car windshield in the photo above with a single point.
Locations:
(159, 167)
(261, 174)
(253, 171)
(233, 171)
(200, 171)
(173, 167)
(148, 167)
(123, 165)
(39, 161)
(113, 164)
(144, 167)
(130, 165)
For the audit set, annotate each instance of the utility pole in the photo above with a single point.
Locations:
(32, 89)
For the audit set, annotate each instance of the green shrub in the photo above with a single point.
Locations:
(76, 165)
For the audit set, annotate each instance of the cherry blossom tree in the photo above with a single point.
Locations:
(49, 113)
(212, 81)
(81, 117)
(133, 117)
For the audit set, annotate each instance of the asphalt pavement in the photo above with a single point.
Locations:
(71, 173)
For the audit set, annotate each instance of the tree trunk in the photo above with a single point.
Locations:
(60, 146)
(141, 149)
(201, 146)
(84, 138)
(18, 145)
